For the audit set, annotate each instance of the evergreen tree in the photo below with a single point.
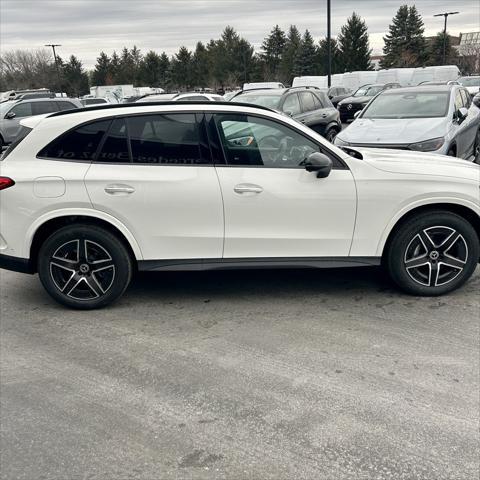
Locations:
(126, 68)
(435, 51)
(164, 71)
(305, 61)
(337, 64)
(292, 45)
(149, 71)
(100, 75)
(272, 49)
(405, 44)
(75, 80)
(114, 66)
(201, 72)
(354, 45)
(182, 68)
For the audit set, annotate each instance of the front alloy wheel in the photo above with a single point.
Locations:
(84, 266)
(433, 253)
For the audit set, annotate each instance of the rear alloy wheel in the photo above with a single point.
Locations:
(433, 254)
(331, 134)
(84, 267)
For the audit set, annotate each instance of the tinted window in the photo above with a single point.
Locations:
(79, 144)
(38, 108)
(317, 102)
(292, 104)
(308, 102)
(93, 101)
(66, 105)
(254, 141)
(22, 110)
(165, 139)
(115, 147)
(193, 98)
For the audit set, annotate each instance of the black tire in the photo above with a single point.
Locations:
(82, 280)
(331, 134)
(420, 264)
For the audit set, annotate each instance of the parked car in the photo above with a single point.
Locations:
(308, 105)
(358, 101)
(472, 84)
(198, 97)
(86, 102)
(85, 204)
(337, 94)
(440, 119)
(157, 97)
(12, 112)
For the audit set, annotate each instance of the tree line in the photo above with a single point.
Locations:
(231, 60)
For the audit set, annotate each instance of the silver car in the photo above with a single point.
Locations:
(11, 112)
(439, 119)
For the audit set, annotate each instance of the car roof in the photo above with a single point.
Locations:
(137, 107)
(263, 91)
(49, 99)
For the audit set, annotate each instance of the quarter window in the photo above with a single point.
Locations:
(65, 106)
(79, 144)
(165, 139)
(255, 141)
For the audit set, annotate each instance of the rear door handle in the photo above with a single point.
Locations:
(119, 189)
(247, 188)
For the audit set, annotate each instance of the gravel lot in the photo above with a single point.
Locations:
(241, 375)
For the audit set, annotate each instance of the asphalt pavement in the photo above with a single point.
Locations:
(292, 374)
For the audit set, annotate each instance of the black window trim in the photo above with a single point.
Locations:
(199, 118)
(338, 162)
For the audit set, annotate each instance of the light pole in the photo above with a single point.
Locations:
(445, 15)
(329, 44)
(53, 45)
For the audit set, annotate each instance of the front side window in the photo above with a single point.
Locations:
(255, 141)
(165, 139)
(79, 144)
(22, 110)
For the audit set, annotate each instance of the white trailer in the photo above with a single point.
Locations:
(310, 81)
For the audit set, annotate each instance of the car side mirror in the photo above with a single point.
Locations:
(461, 114)
(319, 163)
(356, 114)
(10, 115)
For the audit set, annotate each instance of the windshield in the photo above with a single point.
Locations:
(368, 91)
(408, 105)
(470, 81)
(270, 101)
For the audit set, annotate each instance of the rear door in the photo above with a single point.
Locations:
(154, 173)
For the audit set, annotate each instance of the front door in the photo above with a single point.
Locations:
(274, 208)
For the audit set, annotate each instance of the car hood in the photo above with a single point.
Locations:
(418, 163)
(356, 100)
(394, 131)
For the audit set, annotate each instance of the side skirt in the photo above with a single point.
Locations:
(256, 263)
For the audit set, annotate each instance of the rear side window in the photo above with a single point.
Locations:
(38, 108)
(307, 101)
(165, 139)
(79, 144)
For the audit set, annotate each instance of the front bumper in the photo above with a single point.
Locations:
(15, 264)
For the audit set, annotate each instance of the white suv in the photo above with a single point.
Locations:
(88, 197)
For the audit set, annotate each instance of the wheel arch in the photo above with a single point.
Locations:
(44, 229)
(463, 211)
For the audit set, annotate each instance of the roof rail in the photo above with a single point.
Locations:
(307, 87)
(116, 106)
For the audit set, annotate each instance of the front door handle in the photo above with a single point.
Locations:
(119, 189)
(247, 188)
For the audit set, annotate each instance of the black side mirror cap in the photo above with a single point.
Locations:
(319, 163)
(10, 115)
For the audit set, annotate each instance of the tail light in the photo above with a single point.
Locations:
(6, 182)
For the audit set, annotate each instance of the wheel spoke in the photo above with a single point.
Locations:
(453, 262)
(71, 283)
(94, 286)
(82, 251)
(433, 277)
(426, 240)
(417, 262)
(69, 265)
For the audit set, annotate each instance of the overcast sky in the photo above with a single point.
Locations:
(85, 27)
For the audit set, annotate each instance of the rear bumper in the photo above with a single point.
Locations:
(15, 264)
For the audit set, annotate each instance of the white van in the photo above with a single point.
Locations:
(310, 81)
(388, 76)
(253, 86)
(444, 73)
